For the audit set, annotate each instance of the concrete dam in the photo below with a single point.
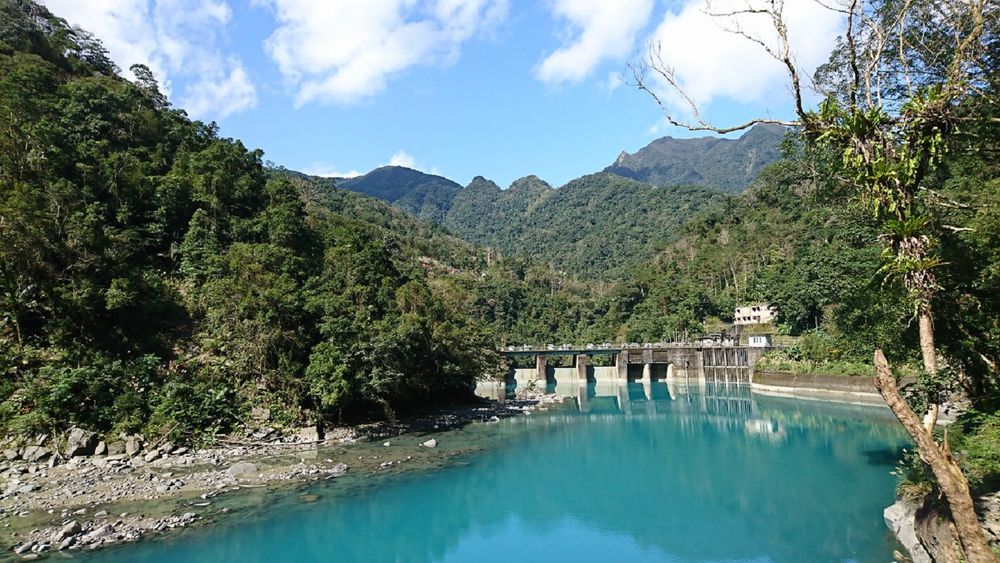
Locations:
(710, 362)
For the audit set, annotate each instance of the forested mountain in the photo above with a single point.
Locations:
(729, 165)
(598, 227)
(156, 277)
(425, 195)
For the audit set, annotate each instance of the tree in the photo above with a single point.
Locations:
(907, 77)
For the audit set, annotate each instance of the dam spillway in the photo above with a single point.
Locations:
(630, 362)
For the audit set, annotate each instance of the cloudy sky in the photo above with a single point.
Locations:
(499, 88)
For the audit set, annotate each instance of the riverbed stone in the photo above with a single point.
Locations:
(71, 528)
(900, 518)
(432, 443)
(241, 468)
(308, 434)
(34, 454)
(11, 454)
(24, 547)
(80, 442)
(133, 445)
(101, 448)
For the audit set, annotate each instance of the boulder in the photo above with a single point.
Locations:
(338, 469)
(151, 455)
(70, 529)
(116, 448)
(241, 468)
(11, 455)
(101, 448)
(133, 445)
(34, 454)
(309, 434)
(900, 518)
(432, 443)
(80, 442)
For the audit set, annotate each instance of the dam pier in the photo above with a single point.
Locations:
(710, 361)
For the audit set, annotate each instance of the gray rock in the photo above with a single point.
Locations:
(24, 547)
(101, 448)
(432, 443)
(33, 454)
(71, 528)
(116, 448)
(80, 442)
(900, 518)
(309, 434)
(151, 456)
(29, 488)
(241, 468)
(97, 534)
(133, 445)
(66, 543)
(339, 469)
(11, 455)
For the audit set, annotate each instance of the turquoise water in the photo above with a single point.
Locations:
(691, 475)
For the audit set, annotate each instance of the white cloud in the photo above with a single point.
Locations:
(400, 158)
(403, 158)
(175, 39)
(712, 63)
(604, 31)
(342, 51)
(329, 171)
(221, 95)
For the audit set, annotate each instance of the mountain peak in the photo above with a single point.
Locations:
(726, 164)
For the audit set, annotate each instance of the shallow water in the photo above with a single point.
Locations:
(645, 474)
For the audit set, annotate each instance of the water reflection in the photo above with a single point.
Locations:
(654, 472)
(729, 405)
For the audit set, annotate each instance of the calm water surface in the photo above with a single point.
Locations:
(644, 474)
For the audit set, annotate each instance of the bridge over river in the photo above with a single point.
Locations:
(706, 361)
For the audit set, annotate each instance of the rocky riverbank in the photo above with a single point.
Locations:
(77, 492)
(922, 526)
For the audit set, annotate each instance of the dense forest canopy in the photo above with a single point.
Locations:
(155, 276)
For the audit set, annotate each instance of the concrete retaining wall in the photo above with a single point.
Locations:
(806, 386)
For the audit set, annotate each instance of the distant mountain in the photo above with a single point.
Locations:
(729, 165)
(425, 195)
(599, 226)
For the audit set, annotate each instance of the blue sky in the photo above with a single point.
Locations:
(498, 88)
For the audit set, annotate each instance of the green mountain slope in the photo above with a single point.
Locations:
(425, 195)
(595, 227)
(726, 164)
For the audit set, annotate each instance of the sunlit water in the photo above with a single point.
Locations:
(695, 474)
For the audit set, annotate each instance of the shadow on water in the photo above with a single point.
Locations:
(884, 457)
(644, 472)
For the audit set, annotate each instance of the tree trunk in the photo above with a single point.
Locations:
(949, 475)
(929, 354)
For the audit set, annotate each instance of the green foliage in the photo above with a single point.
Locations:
(427, 196)
(156, 277)
(598, 227)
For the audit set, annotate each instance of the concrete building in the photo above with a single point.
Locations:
(753, 314)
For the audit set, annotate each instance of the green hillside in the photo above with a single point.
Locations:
(425, 195)
(729, 165)
(597, 227)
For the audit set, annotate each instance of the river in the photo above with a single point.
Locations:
(654, 473)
